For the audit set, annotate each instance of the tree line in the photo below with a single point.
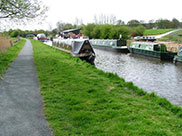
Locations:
(107, 27)
(104, 29)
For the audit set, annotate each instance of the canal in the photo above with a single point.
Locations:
(152, 75)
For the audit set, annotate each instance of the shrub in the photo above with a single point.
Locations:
(15, 33)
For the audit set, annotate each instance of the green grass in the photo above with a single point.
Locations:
(81, 100)
(173, 37)
(156, 31)
(8, 56)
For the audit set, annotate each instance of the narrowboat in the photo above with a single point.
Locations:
(76, 47)
(178, 57)
(112, 45)
(151, 49)
(41, 37)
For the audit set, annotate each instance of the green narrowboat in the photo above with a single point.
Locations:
(111, 45)
(151, 49)
(178, 57)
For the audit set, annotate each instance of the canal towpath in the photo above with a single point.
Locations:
(20, 99)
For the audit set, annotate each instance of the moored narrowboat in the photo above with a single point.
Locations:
(178, 57)
(41, 37)
(151, 49)
(76, 47)
(112, 45)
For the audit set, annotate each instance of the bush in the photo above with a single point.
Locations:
(15, 33)
(88, 30)
(138, 31)
(106, 31)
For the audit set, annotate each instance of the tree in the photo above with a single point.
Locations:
(88, 30)
(15, 33)
(133, 23)
(105, 31)
(120, 22)
(97, 31)
(54, 32)
(119, 30)
(61, 26)
(164, 23)
(176, 23)
(21, 9)
(139, 30)
(151, 24)
(78, 22)
(105, 19)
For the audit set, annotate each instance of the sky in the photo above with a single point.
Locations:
(85, 10)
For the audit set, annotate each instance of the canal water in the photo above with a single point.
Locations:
(152, 75)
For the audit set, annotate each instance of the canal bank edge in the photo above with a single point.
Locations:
(58, 73)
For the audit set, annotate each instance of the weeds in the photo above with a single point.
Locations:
(5, 43)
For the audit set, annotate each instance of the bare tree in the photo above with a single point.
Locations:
(95, 19)
(60, 26)
(120, 22)
(105, 19)
(21, 9)
(78, 21)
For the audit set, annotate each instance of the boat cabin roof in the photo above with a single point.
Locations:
(75, 31)
(144, 45)
(76, 44)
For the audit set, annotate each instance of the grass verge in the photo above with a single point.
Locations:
(9, 55)
(156, 31)
(176, 37)
(79, 100)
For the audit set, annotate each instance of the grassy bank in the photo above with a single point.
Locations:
(79, 100)
(176, 37)
(156, 31)
(6, 57)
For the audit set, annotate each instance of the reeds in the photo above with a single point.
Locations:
(4, 43)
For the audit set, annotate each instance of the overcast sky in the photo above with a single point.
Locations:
(68, 10)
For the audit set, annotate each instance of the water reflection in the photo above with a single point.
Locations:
(152, 75)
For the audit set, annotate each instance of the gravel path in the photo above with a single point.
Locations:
(162, 35)
(20, 99)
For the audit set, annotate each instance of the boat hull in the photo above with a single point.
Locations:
(90, 59)
(177, 59)
(77, 48)
(154, 54)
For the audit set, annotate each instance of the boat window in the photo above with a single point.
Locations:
(156, 48)
(139, 45)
